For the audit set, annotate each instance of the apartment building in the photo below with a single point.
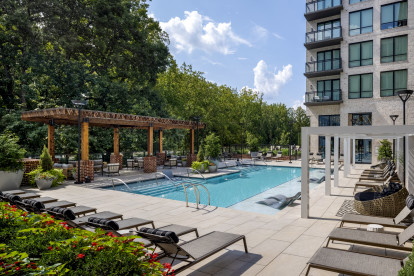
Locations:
(359, 53)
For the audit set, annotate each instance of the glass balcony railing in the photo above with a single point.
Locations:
(322, 5)
(323, 96)
(323, 35)
(323, 65)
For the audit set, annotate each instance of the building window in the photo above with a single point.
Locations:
(394, 49)
(360, 54)
(329, 120)
(355, 1)
(329, 30)
(360, 86)
(360, 22)
(329, 90)
(329, 60)
(394, 15)
(392, 82)
(361, 119)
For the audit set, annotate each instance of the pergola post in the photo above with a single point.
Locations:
(346, 157)
(116, 141)
(51, 138)
(336, 161)
(305, 175)
(150, 141)
(160, 142)
(191, 141)
(353, 152)
(85, 140)
(328, 165)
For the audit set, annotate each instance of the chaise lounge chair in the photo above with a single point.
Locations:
(352, 263)
(375, 183)
(391, 222)
(193, 251)
(375, 239)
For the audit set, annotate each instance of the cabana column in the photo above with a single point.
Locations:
(160, 155)
(353, 152)
(305, 175)
(85, 140)
(192, 156)
(116, 157)
(150, 161)
(51, 138)
(328, 165)
(346, 156)
(336, 161)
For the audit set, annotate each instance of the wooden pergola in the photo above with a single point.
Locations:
(69, 116)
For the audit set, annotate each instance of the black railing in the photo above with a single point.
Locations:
(322, 35)
(323, 96)
(322, 5)
(323, 65)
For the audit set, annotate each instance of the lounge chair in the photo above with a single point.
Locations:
(98, 166)
(268, 156)
(385, 240)
(112, 168)
(171, 163)
(278, 156)
(371, 184)
(391, 222)
(193, 251)
(353, 263)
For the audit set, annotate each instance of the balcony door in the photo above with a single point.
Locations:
(328, 30)
(328, 90)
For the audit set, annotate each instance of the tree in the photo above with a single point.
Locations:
(212, 146)
(384, 150)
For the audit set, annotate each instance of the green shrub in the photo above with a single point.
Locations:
(213, 146)
(38, 244)
(253, 142)
(197, 165)
(385, 150)
(200, 154)
(46, 162)
(11, 154)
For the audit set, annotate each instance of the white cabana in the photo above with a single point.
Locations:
(349, 133)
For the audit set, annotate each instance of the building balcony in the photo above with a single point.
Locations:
(322, 8)
(323, 68)
(323, 38)
(323, 98)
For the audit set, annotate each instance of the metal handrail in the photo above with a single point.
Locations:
(320, 35)
(313, 6)
(323, 65)
(323, 96)
(196, 192)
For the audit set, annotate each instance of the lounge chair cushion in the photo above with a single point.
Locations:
(65, 212)
(365, 196)
(104, 222)
(12, 198)
(158, 232)
(392, 188)
(34, 204)
(409, 201)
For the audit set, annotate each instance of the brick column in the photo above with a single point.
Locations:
(86, 169)
(190, 159)
(150, 164)
(160, 158)
(28, 166)
(116, 158)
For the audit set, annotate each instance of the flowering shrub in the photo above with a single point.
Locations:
(38, 244)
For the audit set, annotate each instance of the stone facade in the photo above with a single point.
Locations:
(380, 107)
(118, 158)
(150, 164)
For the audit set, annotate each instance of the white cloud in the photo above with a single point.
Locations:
(268, 82)
(196, 31)
(242, 58)
(299, 103)
(260, 32)
(278, 36)
(212, 62)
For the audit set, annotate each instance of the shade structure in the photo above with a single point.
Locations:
(399, 132)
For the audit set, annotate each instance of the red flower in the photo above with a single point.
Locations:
(94, 244)
(80, 256)
(50, 248)
(17, 268)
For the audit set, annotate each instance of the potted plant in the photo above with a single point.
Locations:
(74, 172)
(184, 162)
(384, 151)
(212, 167)
(45, 176)
(11, 164)
(199, 166)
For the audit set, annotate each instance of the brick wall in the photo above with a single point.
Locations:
(29, 165)
(86, 169)
(190, 159)
(116, 159)
(160, 158)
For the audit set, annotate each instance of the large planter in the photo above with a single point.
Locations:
(212, 169)
(44, 184)
(10, 180)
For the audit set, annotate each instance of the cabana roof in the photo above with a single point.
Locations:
(69, 116)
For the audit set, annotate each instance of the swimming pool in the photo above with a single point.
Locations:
(225, 190)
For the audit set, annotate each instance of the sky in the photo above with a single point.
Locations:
(240, 43)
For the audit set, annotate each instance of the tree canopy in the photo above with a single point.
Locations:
(115, 55)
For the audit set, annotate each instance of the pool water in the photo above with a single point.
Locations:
(226, 190)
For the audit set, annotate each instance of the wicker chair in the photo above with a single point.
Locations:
(388, 206)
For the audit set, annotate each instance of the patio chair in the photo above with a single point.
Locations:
(98, 166)
(278, 156)
(112, 168)
(353, 263)
(268, 156)
(375, 239)
(130, 164)
(253, 155)
(193, 251)
(170, 163)
(390, 222)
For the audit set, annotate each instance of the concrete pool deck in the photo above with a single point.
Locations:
(279, 244)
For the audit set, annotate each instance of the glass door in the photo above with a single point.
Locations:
(363, 151)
